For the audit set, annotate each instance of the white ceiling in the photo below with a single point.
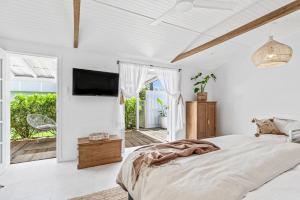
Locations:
(123, 27)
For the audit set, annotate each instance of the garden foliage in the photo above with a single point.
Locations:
(22, 105)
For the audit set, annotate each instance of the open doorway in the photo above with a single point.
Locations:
(33, 94)
(146, 115)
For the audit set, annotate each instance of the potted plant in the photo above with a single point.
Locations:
(201, 82)
(163, 120)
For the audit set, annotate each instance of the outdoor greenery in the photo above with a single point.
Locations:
(15, 136)
(22, 105)
(130, 108)
(164, 108)
(200, 85)
(130, 113)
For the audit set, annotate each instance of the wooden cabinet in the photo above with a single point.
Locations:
(200, 119)
(94, 153)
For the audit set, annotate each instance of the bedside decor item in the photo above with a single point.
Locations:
(272, 54)
(199, 86)
(99, 136)
(163, 113)
(94, 153)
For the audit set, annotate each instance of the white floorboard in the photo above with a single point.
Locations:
(49, 180)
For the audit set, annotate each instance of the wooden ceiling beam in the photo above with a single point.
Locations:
(274, 15)
(76, 8)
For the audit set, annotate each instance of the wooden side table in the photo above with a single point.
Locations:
(94, 153)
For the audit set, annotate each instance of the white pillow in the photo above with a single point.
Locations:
(288, 126)
(294, 136)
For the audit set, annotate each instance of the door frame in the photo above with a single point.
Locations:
(5, 113)
(59, 92)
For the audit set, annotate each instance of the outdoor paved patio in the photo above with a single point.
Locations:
(30, 150)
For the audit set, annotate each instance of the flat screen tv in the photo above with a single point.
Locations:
(95, 83)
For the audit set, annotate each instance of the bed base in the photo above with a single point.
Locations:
(129, 197)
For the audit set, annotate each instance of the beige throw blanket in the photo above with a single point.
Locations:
(158, 154)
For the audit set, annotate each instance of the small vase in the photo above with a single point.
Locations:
(202, 96)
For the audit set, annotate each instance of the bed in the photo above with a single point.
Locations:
(246, 167)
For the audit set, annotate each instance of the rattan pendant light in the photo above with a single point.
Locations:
(272, 54)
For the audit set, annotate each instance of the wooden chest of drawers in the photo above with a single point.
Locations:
(94, 153)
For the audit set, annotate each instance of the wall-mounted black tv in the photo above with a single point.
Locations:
(95, 83)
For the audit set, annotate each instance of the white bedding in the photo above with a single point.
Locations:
(243, 164)
(284, 187)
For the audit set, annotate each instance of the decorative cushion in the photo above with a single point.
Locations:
(266, 126)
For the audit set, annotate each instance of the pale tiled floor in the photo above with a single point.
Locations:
(49, 180)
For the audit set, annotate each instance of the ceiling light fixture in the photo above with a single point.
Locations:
(272, 54)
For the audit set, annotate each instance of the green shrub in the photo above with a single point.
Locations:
(130, 112)
(130, 109)
(23, 105)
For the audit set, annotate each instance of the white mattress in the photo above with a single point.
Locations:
(284, 187)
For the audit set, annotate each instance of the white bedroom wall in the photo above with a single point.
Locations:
(80, 115)
(244, 91)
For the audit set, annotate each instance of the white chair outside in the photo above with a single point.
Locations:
(41, 123)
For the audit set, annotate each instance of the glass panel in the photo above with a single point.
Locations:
(1, 111)
(1, 153)
(1, 132)
(1, 89)
(0, 68)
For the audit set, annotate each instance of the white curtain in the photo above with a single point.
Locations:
(152, 108)
(132, 78)
(170, 80)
